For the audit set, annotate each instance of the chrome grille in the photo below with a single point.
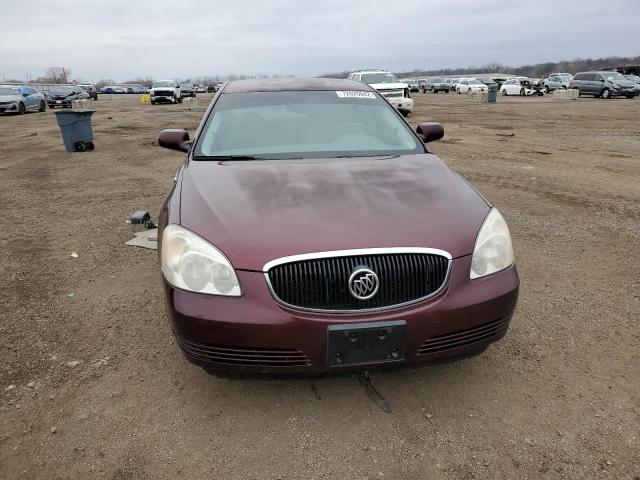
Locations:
(322, 284)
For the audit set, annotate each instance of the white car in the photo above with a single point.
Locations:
(386, 83)
(165, 91)
(467, 85)
(519, 86)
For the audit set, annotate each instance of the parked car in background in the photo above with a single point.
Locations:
(200, 88)
(165, 91)
(329, 289)
(634, 78)
(90, 89)
(211, 89)
(520, 86)
(413, 85)
(188, 90)
(436, 85)
(467, 85)
(603, 84)
(113, 89)
(20, 100)
(140, 90)
(396, 92)
(63, 96)
(555, 82)
(564, 77)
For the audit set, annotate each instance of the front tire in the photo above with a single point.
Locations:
(547, 89)
(504, 93)
(21, 109)
(606, 94)
(43, 106)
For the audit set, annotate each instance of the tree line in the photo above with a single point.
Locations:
(532, 71)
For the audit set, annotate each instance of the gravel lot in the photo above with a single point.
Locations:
(93, 385)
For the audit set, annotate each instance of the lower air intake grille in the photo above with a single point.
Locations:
(244, 356)
(465, 337)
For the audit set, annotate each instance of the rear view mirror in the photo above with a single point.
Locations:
(175, 139)
(430, 131)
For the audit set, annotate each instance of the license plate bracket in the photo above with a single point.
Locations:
(366, 343)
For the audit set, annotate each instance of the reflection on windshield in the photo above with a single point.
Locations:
(162, 84)
(378, 78)
(9, 91)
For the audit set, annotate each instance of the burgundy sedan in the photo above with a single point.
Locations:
(311, 230)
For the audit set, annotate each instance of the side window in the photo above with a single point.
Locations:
(597, 77)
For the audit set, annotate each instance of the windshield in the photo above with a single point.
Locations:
(613, 76)
(633, 78)
(309, 124)
(437, 80)
(65, 90)
(162, 84)
(9, 91)
(475, 82)
(379, 78)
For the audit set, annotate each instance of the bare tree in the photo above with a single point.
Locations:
(57, 75)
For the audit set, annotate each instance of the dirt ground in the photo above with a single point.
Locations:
(93, 385)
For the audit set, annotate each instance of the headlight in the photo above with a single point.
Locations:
(191, 263)
(493, 250)
(615, 86)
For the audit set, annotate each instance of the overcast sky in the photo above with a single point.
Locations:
(121, 39)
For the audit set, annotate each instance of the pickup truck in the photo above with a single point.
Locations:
(165, 91)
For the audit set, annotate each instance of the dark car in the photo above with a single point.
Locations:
(63, 96)
(604, 85)
(311, 230)
(211, 89)
(188, 90)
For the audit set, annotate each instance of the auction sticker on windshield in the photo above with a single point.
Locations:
(356, 94)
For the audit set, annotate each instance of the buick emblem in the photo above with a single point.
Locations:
(363, 283)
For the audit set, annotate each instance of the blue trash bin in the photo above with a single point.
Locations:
(75, 127)
(492, 94)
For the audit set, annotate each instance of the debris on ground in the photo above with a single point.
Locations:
(146, 239)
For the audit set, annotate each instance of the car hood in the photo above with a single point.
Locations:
(624, 83)
(258, 211)
(61, 94)
(388, 86)
(10, 98)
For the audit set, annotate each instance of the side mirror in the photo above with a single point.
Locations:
(430, 131)
(175, 139)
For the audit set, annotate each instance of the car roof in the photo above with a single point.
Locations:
(293, 84)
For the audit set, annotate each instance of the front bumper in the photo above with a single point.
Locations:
(59, 103)
(163, 98)
(9, 107)
(254, 333)
(403, 104)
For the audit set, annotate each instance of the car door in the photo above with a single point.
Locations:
(597, 84)
(510, 87)
(34, 98)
